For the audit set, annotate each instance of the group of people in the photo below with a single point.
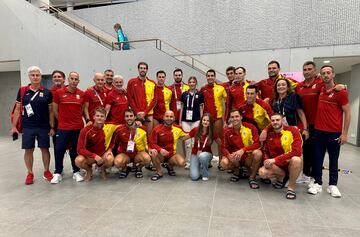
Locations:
(277, 128)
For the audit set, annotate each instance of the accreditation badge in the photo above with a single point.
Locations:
(130, 146)
(189, 114)
(178, 105)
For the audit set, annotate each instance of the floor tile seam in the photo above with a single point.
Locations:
(263, 211)
(111, 208)
(316, 211)
(212, 208)
(353, 201)
(161, 208)
(49, 214)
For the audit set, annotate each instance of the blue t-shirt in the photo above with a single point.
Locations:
(191, 103)
(40, 106)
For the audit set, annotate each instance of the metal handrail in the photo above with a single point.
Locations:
(158, 45)
(58, 13)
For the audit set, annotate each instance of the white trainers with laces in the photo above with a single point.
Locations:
(311, 182)
(56, 179)
(334, 191)
(77, 177)
(315, 189)
(205, 178)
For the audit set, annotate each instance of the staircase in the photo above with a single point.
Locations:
(110, 42)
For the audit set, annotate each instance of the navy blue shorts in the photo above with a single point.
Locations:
(31, 134)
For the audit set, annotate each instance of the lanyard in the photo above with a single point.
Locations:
(192, 101)
(34, 96)
(132, 138)
(97, 94)
(182, 84)
(203, 144)
(279, 106)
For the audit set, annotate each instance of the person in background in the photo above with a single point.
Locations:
(121, 37)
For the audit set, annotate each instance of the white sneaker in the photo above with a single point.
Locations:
(334, 191)
(187, 166)
(311, 182)
(56, 179)
(205, 178)
(302, 179)
(315, 189)
(77, 177)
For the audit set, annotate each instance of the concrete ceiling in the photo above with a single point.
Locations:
(63, 3)
(340, 64)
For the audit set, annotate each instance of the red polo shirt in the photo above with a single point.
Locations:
(266, 86)
(96, 98)
(119, 103)
(70, 108)
(329, 116)
(108, 90)
(309, 94)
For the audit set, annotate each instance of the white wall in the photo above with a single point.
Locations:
(354, 104)
(204, 26)
(36, 38)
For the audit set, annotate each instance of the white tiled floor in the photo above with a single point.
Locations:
(173, 206)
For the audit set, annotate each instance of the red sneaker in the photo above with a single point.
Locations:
(29, 179)
(47, 175)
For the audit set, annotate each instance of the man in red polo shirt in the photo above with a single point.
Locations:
(163, 142)
(266, 86)
(91, 147)
(241, 147)
(309, 91)
(163, 98)
(116, 102)
(177, 88)
(236, 93)
(282, 155)
(58, 79)
(109, 77)
(331, 131)
(141, 95)
(68, 108)
(94, 97)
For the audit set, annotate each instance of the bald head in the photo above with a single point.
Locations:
(169, 118)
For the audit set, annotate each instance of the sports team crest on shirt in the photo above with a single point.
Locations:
(64, 96)
(331, 95)
(314, 86)
(196, 96)
(41, 94)
(285, 137)
(78, 97)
